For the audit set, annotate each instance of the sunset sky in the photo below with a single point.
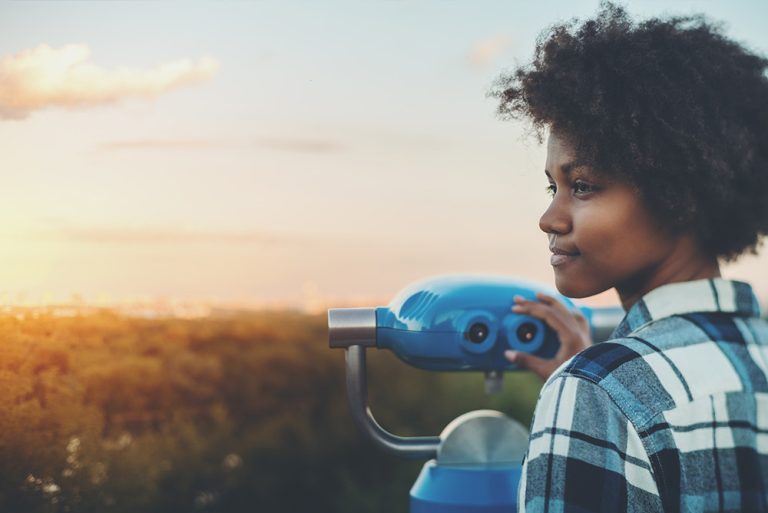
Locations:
(276, 153)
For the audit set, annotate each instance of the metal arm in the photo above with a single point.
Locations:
(415, 447)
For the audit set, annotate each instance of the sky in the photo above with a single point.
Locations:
(299, 154)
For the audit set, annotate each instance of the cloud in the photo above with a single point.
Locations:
(160, 144)
(152, 235)
(299, 145)
(295, 145)
(484, 52)
(42, 77)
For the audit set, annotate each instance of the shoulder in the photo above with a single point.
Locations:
(607, 361)
(576, 413)
(633, 373)
(669, 362)
(566, 396)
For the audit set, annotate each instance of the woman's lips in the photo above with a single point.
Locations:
(561, 257)
(557, 260)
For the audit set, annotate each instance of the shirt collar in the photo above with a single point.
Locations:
(699, 296)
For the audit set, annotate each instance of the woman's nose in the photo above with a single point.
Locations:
(555, 218)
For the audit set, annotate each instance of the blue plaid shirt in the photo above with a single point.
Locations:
(669, 415)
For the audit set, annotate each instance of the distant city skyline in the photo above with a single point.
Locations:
(276, 153)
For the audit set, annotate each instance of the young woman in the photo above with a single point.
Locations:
(657, 163)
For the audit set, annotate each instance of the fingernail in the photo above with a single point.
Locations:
(511, 355)
(517, 308)
(520, 298)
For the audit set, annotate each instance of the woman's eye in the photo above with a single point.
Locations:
(580, 187)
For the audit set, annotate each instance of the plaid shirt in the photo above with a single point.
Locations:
(669, 415)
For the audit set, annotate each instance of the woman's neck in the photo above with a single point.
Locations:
(686, 262)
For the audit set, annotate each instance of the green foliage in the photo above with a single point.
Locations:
(246, 412)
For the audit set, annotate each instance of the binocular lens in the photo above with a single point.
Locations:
(477, 333)
(526, 332)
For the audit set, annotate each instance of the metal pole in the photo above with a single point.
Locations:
(415, 447)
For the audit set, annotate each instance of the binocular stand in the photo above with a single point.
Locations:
(473, 466)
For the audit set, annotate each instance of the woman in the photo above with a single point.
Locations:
(657, 163)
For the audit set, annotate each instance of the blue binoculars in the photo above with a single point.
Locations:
(452, 323)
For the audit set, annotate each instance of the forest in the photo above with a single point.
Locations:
(237, 411)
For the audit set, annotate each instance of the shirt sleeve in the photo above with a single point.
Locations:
(584, 455)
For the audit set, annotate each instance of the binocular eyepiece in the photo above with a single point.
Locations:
(477, 333)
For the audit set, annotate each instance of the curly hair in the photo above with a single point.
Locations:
(670, 105)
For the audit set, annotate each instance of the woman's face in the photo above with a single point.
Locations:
(600, 233)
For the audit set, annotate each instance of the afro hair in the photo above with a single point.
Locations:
(669, 105)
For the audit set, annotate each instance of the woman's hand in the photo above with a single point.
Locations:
(571, 327)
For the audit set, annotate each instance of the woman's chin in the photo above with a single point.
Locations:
(575, 289)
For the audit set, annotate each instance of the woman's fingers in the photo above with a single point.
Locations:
(552, 301)
(562, 309)
(562, 321)
(542, 311)
(571, 327)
